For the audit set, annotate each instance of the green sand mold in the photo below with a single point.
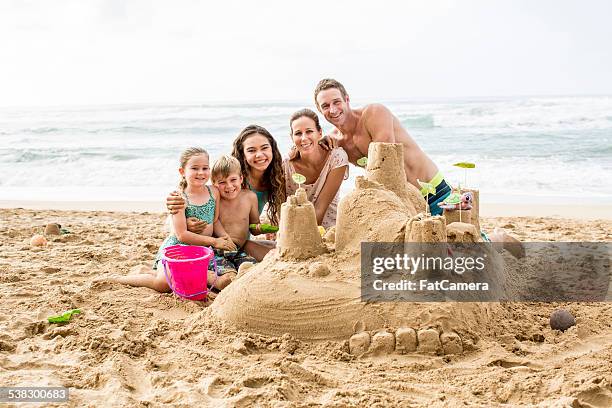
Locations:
(64, 317)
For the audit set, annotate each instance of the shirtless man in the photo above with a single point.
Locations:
(357, 128)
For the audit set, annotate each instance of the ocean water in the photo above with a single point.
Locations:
(526, 149)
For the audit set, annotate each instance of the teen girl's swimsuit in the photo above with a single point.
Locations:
(262, 197)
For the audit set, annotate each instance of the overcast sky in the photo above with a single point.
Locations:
(118, 51)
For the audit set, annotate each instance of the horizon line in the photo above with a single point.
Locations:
(294, 101)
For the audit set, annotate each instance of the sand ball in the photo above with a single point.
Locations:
(429, 341)
(52, 229)
(383, 342)
(318, 269)
(359, 343)
(451, 343)
(562, 320)
(405, 340)
(38, 240)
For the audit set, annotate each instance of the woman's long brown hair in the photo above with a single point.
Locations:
(274, 176)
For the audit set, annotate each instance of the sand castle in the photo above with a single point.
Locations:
(310, 287)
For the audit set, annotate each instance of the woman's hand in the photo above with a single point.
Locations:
(175, 203)
(196, 225)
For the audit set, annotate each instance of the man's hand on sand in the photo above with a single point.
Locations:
(327, 142)
(175, 203)
(196, 225)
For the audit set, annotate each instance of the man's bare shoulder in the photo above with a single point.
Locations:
(375, 110)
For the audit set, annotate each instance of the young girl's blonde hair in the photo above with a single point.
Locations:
(185, 156)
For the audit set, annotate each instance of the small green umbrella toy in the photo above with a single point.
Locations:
(464, 166)
(299, 179)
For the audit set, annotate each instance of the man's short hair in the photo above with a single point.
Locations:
(224, 166)
(329, 83)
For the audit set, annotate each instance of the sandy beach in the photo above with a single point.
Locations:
(135, 347)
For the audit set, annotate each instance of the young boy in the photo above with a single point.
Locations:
(237, 209)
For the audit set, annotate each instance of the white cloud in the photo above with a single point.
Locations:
(78, 52)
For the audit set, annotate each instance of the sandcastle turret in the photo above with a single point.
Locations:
(299, 237)
(471, 216)
(421, 232)
(386, 167)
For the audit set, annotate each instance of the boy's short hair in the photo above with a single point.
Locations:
(328, 83)
(224, 166)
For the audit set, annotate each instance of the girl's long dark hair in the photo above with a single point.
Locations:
(274, 176)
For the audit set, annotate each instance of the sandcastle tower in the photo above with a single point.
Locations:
(423, 228)
(299, 237)
(386, 166)
(467, 216)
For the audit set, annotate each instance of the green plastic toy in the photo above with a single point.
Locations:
(464, 166)
(299, 179)
(363, 161)
(265, 228)
(64, 317)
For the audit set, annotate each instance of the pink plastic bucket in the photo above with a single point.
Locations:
(186, 269)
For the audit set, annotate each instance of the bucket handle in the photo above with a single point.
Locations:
(204, 292)
(215, 270)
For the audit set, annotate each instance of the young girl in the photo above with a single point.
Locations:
(201, 202)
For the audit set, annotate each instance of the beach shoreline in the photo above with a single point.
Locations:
(578, 212)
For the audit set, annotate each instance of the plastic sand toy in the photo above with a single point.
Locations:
(64, 317)
(265, 228)
(456, 201)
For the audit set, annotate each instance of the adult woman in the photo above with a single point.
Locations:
(323, 169)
